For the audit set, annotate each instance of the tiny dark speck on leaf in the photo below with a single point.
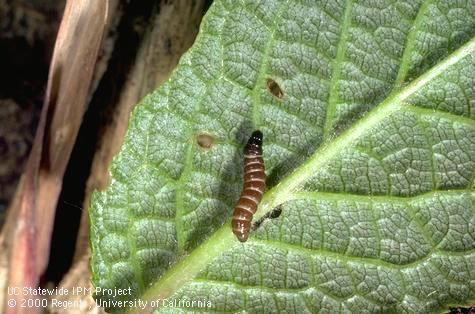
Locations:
(274, 88)
(205, 141)
(273, 214)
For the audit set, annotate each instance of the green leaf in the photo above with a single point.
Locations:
(367, 110)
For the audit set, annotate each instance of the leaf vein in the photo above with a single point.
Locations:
(337, 64)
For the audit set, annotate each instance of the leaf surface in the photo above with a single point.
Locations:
(367, 110)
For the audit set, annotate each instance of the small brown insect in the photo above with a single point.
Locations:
(205, 141)
(274, 88)
(254, 186)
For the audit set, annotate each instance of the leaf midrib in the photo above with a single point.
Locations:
(185, 270)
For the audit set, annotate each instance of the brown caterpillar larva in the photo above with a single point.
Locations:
(254, 187)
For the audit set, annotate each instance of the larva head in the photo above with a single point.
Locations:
(256, 138)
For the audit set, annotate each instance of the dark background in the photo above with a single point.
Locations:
(28, 31)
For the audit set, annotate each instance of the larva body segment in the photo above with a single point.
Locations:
(253, 188)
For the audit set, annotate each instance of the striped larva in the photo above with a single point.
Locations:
(253, 188)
